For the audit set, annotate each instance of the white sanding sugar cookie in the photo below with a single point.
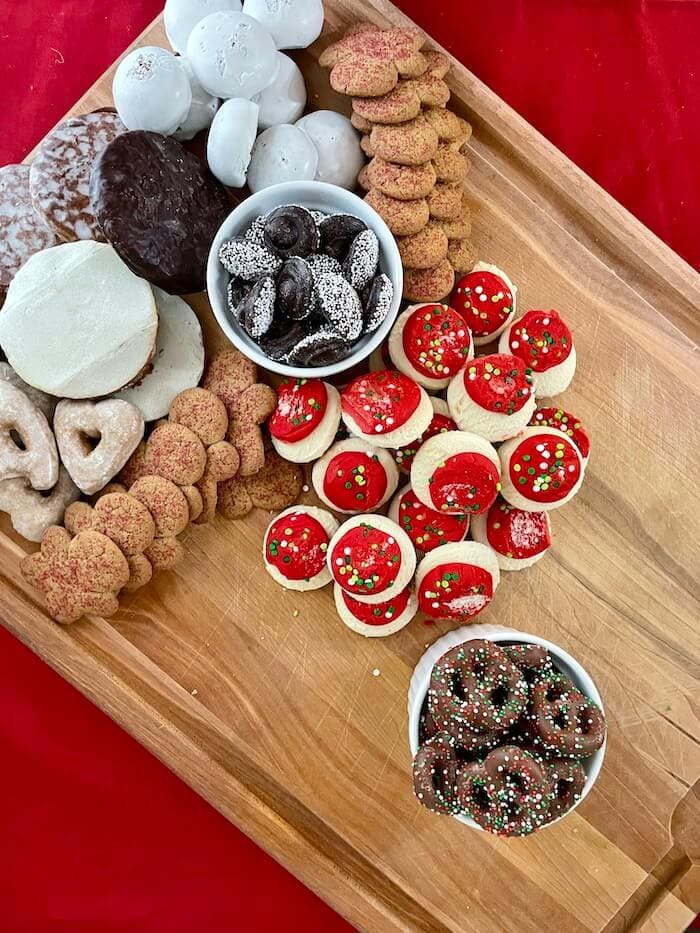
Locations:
(77, 322)
(59, 180)
(22, 230)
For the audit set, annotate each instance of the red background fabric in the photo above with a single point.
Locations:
(96, 834)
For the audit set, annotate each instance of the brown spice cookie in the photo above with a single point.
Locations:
(450, 164)
(388, 45)
(403, 218)
(412, 67)
(223, 463)
(432, 91)
(446, 124)
(401, 104)
(461, 227)
(276, 486)
(462, 255)
(165, 553)
(120, 516)
(140, 572)
(202, 412)
(429, 284)
(364, 126)
(134, 468)
(176, 453)
(445, 201)
(425, 249)
(165, 501)
(358, 77)
(363, 179)
(408, 143)
(366, 146)
(194, 501)
(438, 64)
(404, 182)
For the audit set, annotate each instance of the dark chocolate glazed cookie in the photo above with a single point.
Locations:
(159, 207)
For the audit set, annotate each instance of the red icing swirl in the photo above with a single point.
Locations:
(296, 544)
(355, 480)
(498, 382)
(545, 468)
(381, 402)
(378, 613)
(439, 425)
(485, 301)
(455, 591)
(567, 423)
(436, 341)
(301, 405)
(365, 560)
(466, 482)
(427, 528)
(515, 533)
(541, 339)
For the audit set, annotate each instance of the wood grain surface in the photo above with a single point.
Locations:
(295, 728)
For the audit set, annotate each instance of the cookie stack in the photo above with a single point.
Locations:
(415, 179)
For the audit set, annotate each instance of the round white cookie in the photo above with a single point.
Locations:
(202, 108)
(381, 383)
(293, 24)
(542, 469)
(340, 157)
(282, 153)
(181, 16)
(230, 141)
(553, 379)
(457, 346)
(77, 323)
(315, 443)
(509, 532)
(456, 599)
(151, 90)
(284, 100)
(433, 454)
(292, 540)
(359, 481)
(387, 618)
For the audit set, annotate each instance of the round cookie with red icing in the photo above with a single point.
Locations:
(541, 470)
(375, 620)
(430, 343)
(295, 547)
(385, 408)
(492, 396)
(457, 582)
(371, 558)
(305, 420)
(567, 423)
(486, 298)
(426, 528)
(544, 343)
(518, 538)
(456, 473)
(353, 476)
(440, 423)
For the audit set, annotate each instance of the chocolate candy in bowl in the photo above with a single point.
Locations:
(257, 310)
(337, 232)
(295, 289)
(291, 231)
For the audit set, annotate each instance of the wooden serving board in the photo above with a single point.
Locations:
(295, 728)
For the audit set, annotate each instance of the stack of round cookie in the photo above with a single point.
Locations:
(415, 179)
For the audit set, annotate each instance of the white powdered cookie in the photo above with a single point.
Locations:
(31, 512)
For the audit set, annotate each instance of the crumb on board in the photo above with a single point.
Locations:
(376, 672)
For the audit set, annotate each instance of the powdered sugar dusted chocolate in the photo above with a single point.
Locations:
(340, 305)
(360, 266)
(257, 310)
(247, 259)
(324, 265)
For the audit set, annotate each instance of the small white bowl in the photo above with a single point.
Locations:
(420, 681)
(317, 196)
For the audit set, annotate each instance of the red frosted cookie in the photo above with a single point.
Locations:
(306, 419)
(519, 538)
(492, 396)
(457, 582)
(456, 473)
(353, 476)
(440, 423)
(371, 558)
(566, 422)
(426, 528)
(485, 297)
(295, 547)
(385, 408)
(543, 341)
(541, 470)
(430, 343)
(375, 620)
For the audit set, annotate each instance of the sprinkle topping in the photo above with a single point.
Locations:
(466, 482)
(436, 341)
(545, 467)
(566, 422)
(541, 339)
(515, 533)
(439, 425)
(296, 545)
(485, 301)
(355, 480)
(301, 405)
(381, 402)
(455, 591)
(499, 383)
(427, 528)
(365, 560)
(378, 613)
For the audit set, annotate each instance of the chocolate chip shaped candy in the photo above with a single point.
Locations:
(340, 306)
(360, 265)
(257, 310)
(377, 296)
(248, 260)
(295, 289)
(291, 231)
(321, 348)
(337, 232)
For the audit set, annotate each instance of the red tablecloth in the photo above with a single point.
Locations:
(96, 834)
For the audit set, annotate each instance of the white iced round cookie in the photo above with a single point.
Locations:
(376, 620)
(202, 108)
(492, 396)
(457, 473)
(230, 141)
(439, 424)
(352, 476)
(430, 343)
(293, 24)
(295, 547)
(385, 408)
(544, 343)
(340, 157)
(232, 55)
(282, 153)
(371, 558)
(151, 90)
(518, 538)
(564, 421)
(427, 528)
(457, 581)
(486, 299)
(77, 323)
(306, 419)
(542, 469)
(181, 16)
(284, 100)
(178, 361)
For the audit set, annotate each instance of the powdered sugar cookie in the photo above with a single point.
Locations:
(355, 477)
(542, 469)
(375, 620)
(518, 538)
(457, 582)
(371, 558)
(456, 472)
(566, 422)
(426, 528)
(385, 408)
(430, 343)
(439, 424)
(295, 547)
(305, 420)
(492, 396)
(486, 297)
(544, 342)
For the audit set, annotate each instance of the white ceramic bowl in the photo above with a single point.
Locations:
(314, 195)
(420, 680)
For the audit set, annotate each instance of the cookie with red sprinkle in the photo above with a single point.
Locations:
(486, 299)
(457, 582)
(541, 470)
(305, 420)
(295, 547)
(376, 620)
(544, 343)
(430, 343)
(385, 408)
(492, 396)
(518, 538)
(440, 423)
(566, 422)
(456, 473)
(353, 476)
(426, 528)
